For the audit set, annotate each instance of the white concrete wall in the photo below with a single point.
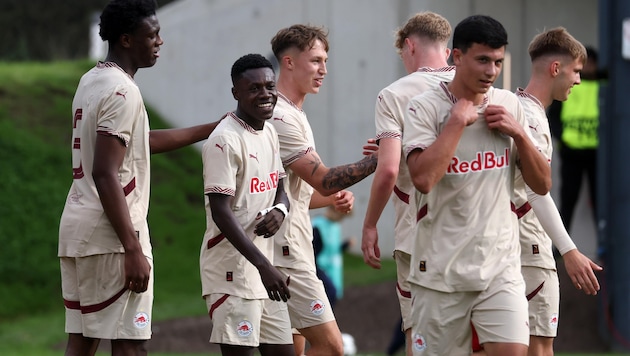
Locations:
(191, 83)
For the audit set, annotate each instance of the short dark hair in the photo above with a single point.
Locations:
(124, 16)
(479, 29)
(591, 53)
(247, 62)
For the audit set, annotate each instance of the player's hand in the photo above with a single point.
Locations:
(343, 201)
(581, 270)
(369, 246)
(370, 147)
(137, 271)
(464, 111)
(274, 283)
(269, 223)
(500, 119)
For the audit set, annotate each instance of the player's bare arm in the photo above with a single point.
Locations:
(328, 181)
(382, 187)
(171, 139)
(271, 221)
(534, 166)
(428, 166)
(108, 157)
(222, 214)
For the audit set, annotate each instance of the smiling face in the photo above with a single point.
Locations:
(479, 67)
(256, 94)
(309, 68)
(567, 75)
(145, 43)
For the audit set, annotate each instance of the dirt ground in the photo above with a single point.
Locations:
(370, 314)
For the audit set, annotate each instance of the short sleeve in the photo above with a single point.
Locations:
(221, 161)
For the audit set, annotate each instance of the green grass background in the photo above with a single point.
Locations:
(35, 174)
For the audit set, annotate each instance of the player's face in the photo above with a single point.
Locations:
(479, 67)
(145, 43)
(568, 76)
(310, 68)
(256, 94)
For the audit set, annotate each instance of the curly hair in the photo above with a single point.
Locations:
(124, 16)
(249, 61)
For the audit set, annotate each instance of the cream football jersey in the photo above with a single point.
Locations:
(536, 246)
(294, 249)
(466, 234)
(391, 105)
(242, 162)
(107, 102)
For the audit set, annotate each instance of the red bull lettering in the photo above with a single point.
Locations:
(260, 185)
(483, 161)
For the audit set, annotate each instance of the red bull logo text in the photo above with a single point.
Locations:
(483, 161)
(260, 185)
(317, 307)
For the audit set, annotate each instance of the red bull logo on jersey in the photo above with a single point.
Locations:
(483, 161)
(418, 343)
(553, 321)
(259, 185)
(244, 328)
(141, 320)
(317, 307)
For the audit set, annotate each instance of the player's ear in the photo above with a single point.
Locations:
(456, 55)
(234, 93)
(554, 68)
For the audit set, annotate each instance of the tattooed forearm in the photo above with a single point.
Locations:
(342, 177)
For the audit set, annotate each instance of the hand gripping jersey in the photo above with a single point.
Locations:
(466, 234)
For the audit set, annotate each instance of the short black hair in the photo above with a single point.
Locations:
(124, 16)
(479, 29)
(591, 53)
(246, 62)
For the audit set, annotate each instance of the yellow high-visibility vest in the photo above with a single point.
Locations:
(580, 116)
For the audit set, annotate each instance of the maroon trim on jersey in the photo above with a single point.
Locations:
(422, 212)
(289, 161)
(402, 292)
(130, 187)
(100, 306)
(217, 304)
(225, 191)
(388, 134)
(242, 123)
(453, 99)
(522, 93)
(522, 210)
(77, 173)
(72, 304)
(535, 291)
(401, 195)
(283, 97)
(436, 70)
(215, 240)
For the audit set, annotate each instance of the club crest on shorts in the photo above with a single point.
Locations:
(244, 328)
(141, 320)
(418, 343)
(317, 307)
(553, 321)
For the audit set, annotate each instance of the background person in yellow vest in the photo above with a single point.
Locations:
(574, 124)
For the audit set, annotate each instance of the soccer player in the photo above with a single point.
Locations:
(463, 141)
(423, 46)
(104, 246)
(557, 59)
(243, 178)
(302, 52)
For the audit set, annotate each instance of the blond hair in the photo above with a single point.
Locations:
(425, 25)
(556, 42)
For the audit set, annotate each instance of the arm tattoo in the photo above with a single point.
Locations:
(316, 162)
(342, 177)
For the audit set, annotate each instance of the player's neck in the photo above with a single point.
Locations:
(540, 91)
(461, 91)
(291, 93)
